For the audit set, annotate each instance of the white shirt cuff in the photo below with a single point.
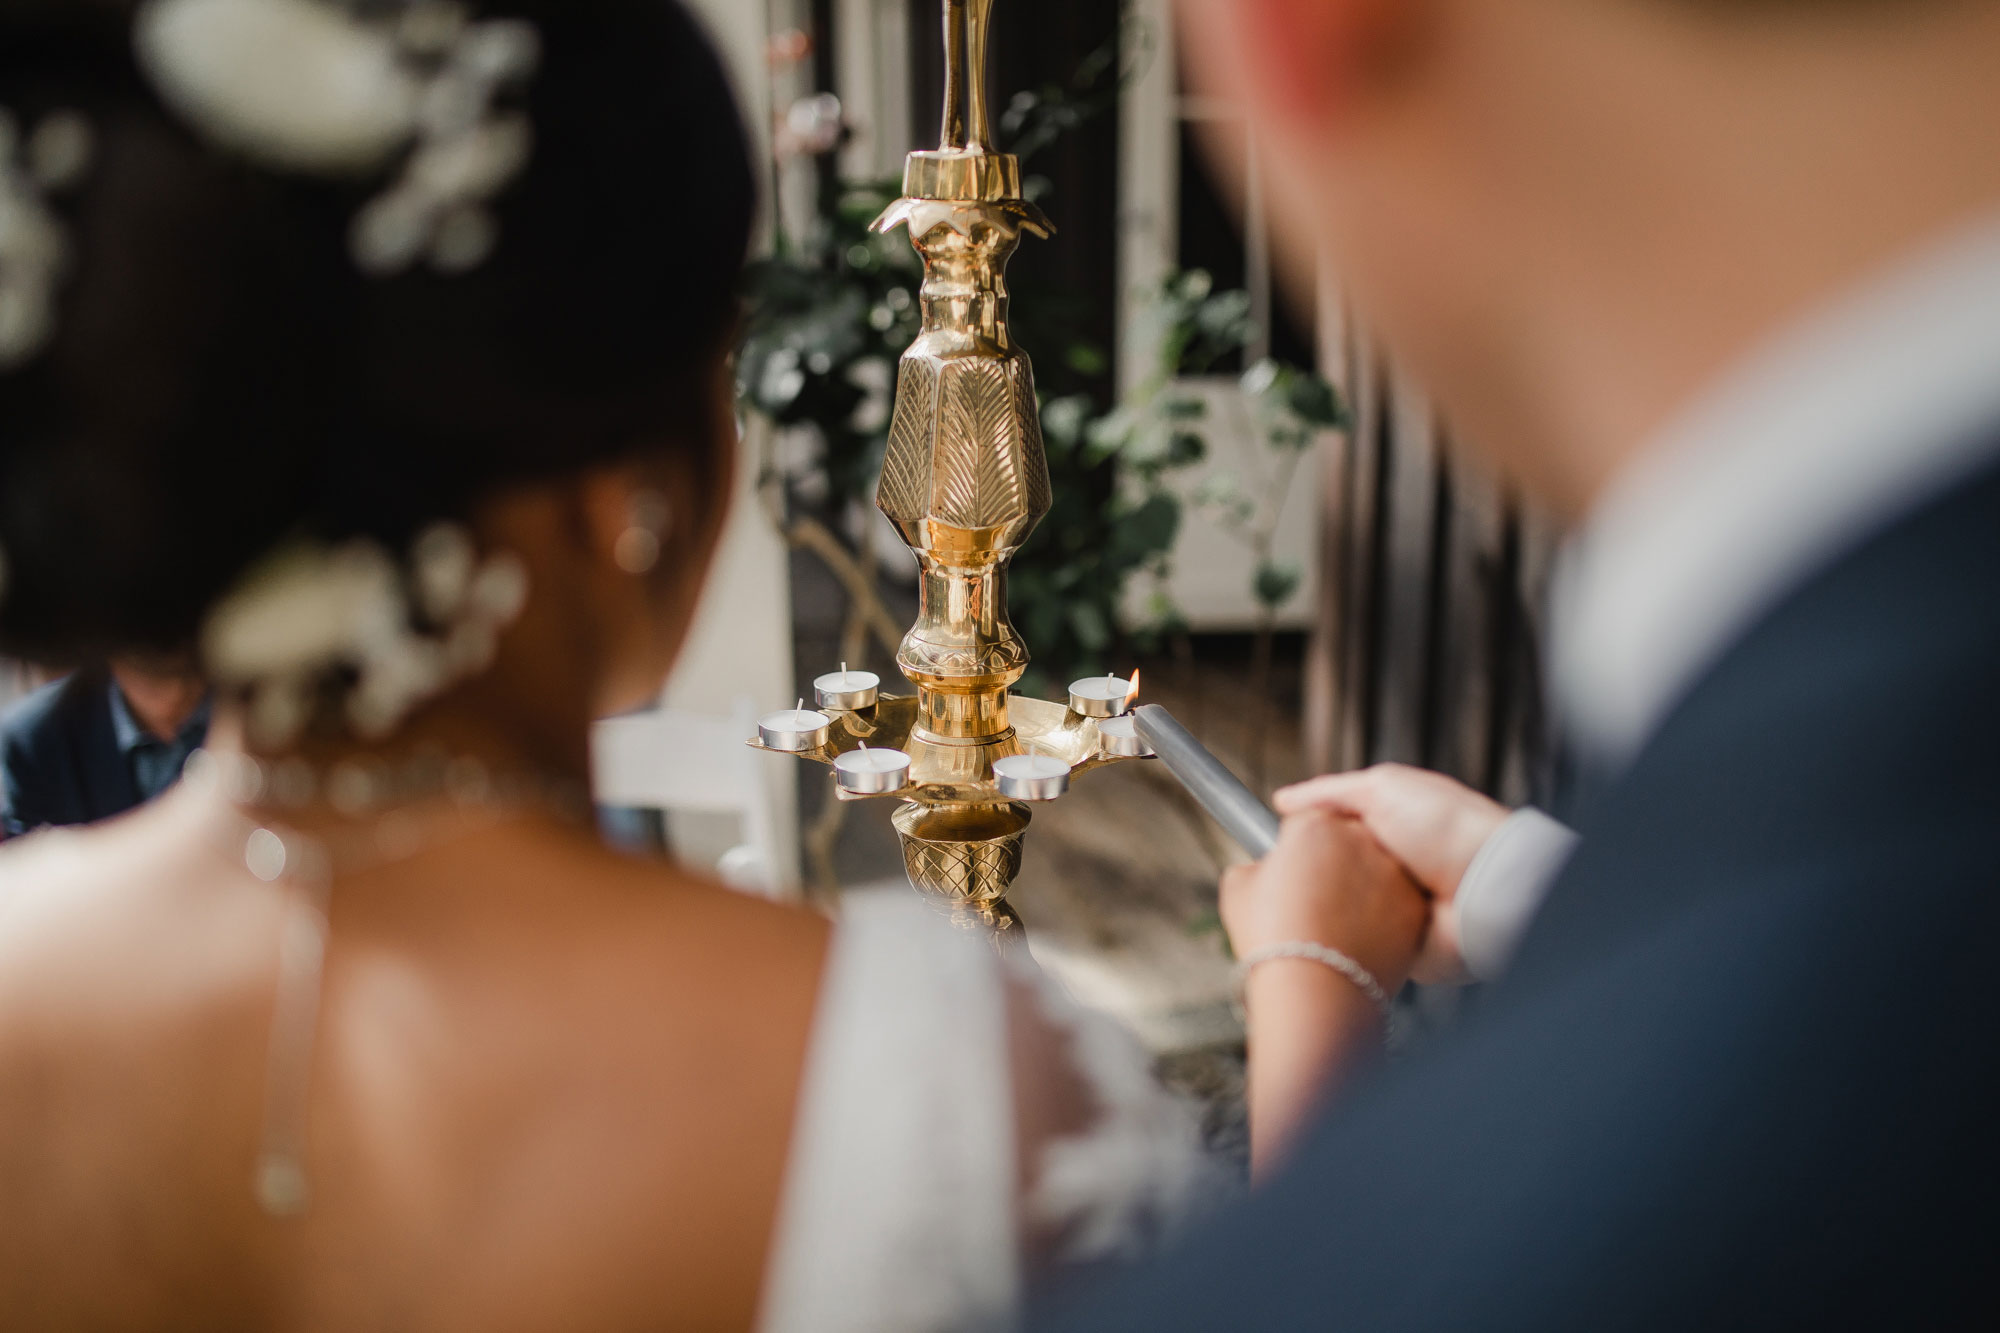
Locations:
(1504, 887)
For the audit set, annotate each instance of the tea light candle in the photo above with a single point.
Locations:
(1031, 777)
(848, 691)
(1100, 696)
(795, 731)
(1120, 736)
(867, 772)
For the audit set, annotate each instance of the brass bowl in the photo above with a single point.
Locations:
(965, 856)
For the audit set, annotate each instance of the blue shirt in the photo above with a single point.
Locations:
(156, 764)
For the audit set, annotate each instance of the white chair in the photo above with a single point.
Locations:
(685, 762)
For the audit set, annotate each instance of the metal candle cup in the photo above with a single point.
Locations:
(1100, 696)
(872, 772)
(1031, 777)
(1120, 736)
(848, 691)
(795, 730)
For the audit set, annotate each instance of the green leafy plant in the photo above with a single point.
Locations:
(1167, 427)
(1079, 565)
(1290, 408)
(828, 318)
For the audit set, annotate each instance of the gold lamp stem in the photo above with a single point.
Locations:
(979, 29)
(968, 26)
(953, 134)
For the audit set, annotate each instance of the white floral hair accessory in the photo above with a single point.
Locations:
(34, 164)
(315, 623)
(319, 87)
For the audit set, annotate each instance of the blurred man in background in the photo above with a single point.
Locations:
(1718, 281)
(98, 743)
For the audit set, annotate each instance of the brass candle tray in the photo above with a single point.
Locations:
(960, 773)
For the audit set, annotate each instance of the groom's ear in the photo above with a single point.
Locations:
(1304, 61)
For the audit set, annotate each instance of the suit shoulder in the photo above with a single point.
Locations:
(27, 724)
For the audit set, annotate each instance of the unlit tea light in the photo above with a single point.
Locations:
(1031, 777)
(1100, 696)
(848, 691)
(1120, 736)
(795, 730)
(867, 772)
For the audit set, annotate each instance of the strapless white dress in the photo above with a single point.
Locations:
(902, 1209)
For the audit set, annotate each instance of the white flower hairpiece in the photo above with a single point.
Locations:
(311, 611)
(312, 86)
(33, 250)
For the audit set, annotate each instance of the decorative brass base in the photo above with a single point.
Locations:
(963, 859)
(963, 855)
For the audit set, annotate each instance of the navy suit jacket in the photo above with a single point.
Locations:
(1746, 1070)
(59, 758)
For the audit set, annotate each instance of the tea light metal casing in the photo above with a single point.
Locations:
(795, 730)
(1120, 736)
(1031, 777)
(848, 691)
(872, 772)
(1100, 696)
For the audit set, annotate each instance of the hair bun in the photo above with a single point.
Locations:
(222, 374)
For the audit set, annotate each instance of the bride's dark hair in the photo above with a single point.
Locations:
(221, 374)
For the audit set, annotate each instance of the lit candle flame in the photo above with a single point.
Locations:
(1133, 693)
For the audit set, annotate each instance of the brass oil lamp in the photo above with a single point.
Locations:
(965, 480)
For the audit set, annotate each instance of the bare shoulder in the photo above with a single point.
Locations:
(136, 905)
(583, 1027)
(34, 872)
(112, 936)
(128, 1017)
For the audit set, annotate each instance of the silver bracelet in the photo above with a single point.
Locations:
(1363, 979)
